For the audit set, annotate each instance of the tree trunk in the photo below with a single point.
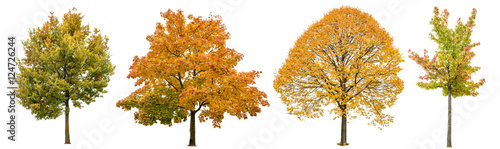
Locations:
(448, 138)
(66, 119)
(343, 138)
(192, 135)
(343, 131)
(66, 110)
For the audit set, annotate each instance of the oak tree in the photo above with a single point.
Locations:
(450, 67)
(65, 61)
(345, 63)
(189, 70)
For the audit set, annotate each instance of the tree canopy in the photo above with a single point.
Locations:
(346, 60)
(451, 64)
(64, 61)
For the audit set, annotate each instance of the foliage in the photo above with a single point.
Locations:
(64, 61)
(451, 63)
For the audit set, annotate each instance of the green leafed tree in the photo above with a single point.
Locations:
(65, 61)
(450, 68)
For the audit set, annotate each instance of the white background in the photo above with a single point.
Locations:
(264, 31)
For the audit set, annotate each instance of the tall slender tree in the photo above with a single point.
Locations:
(188, 70)
(450, 68)
(65, 61)
(345, 62)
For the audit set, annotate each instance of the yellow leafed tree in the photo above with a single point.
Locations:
(346, 64)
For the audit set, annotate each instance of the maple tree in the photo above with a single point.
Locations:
(344, 63)
(450, 67)
(65, 61)
(188, 70)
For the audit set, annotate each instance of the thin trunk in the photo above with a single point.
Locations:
(448, 138)
(66, 111)
(343, 131)
(192, 135)
(66, 119)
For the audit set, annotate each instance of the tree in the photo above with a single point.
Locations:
(188, 70)
(346, 63)
(450, 67)
(64, 62)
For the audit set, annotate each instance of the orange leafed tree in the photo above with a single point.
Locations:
(189, 70)
(344, 63)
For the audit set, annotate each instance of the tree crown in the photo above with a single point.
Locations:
(64, 61)
(451, 64)
(190, 69)
(345, 60)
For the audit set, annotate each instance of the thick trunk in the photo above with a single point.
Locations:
(66, 119)
(343, 130)
(448, 138)
(192, 135)
(343, 138)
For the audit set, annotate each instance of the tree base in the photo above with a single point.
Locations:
(192, 145)
(343, 144)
